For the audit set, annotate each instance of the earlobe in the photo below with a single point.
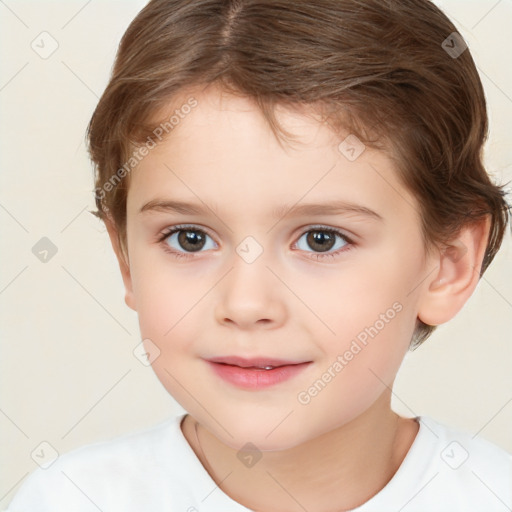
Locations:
(124, 264)
(456, 274)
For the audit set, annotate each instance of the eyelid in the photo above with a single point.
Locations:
(166, 232)
(322, 227)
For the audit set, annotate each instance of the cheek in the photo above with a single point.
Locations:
(164, 296)
(376, 316)
(357, 370)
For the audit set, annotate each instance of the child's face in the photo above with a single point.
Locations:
(227, 299)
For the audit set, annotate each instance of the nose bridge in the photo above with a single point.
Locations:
(250, 292)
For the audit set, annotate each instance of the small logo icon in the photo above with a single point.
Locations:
(249, 455)
(45, 45)
(146, 352)
(44, 250)
(455, 455)
(454, 45)
(44, 455)
(249, 249)
(351, 148)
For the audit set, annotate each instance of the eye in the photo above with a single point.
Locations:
(184, 240)
(180, 240)
(323, 239)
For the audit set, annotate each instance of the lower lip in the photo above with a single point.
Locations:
(250, 378)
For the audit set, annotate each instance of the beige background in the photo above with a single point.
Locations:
(68, 374)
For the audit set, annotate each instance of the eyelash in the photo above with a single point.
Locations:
(164, 235)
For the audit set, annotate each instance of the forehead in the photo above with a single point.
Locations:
(222, 152)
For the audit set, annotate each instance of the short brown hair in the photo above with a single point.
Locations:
(380, 69)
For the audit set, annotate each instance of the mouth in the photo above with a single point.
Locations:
(255, 373)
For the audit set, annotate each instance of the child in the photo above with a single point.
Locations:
(296, 197)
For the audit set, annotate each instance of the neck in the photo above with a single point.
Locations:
(363, 455)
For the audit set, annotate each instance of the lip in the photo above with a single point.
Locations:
(248, 373)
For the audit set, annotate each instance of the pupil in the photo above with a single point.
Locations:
(192, 238)
(322, 239)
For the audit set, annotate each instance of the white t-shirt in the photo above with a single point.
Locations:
(156, 470)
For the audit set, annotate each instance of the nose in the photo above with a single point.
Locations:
(250, 296)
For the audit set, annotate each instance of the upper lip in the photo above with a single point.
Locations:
(258, 362)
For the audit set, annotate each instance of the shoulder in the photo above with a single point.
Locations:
(459, 447)
(471, 472)
(101, 472)
(448, 470)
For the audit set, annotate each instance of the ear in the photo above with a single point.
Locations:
(124, 264)
(457, 272)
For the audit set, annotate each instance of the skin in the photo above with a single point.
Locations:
(286, 304)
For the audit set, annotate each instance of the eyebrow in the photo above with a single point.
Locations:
(309, 209)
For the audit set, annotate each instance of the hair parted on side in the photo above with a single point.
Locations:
(375, 68)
